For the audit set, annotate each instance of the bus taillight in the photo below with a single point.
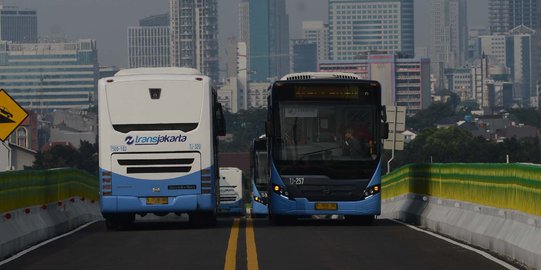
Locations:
(107, 183)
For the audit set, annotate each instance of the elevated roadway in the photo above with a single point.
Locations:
(239, 243)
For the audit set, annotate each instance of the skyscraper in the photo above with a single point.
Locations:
(193, 30)
(449, 36)
(268, 45)
(48, 76)
(505, 15)
(516, 51)
(18, 25)
(149, 43)
(361, 26)
(316, 32)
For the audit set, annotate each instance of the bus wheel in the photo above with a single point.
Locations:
(202, 219)
(281, 219)
(119, 221)
(360, 220)
(111, 224)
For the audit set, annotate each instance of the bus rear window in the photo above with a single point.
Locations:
(155, 127)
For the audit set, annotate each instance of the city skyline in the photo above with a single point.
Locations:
(79, 19)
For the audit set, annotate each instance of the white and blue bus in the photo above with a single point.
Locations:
(231, 191)
(324, 134)
(158, 131)
(259, 177)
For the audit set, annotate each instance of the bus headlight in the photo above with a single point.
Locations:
(371, 191)
(280, 190)
(260, 200)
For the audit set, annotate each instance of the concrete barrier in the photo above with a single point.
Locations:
(510, 233)
(22, 228)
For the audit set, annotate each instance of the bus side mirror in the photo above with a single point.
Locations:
(384, 130)
(384, 113)
(268, 129)
(221, 121)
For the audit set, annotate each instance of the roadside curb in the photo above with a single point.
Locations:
(22, 228)
(510, 233)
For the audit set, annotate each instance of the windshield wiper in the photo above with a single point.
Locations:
(318, 151)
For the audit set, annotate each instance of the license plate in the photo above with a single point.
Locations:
(326, 206)
(157, 200)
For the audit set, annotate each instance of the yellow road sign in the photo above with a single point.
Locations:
(11, 115)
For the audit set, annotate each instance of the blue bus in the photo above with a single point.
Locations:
(158, 130)
(324, 134)
(259, 177)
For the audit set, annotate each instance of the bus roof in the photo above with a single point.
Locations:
(320, 75)
(161, 70)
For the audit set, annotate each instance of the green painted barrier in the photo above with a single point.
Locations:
(19, 189)
(509, 186)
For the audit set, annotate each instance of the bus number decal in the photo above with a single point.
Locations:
(119, 148)
(195, 146)
(296, 180)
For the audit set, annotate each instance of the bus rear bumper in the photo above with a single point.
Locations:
(302, 207)
(236, 208)
(180, 204)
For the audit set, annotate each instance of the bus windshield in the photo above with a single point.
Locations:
(326, 131)
(331, 138)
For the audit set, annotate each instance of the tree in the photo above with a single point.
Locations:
(245, 126)
(59, 156)
(427, 118)
(529, 116)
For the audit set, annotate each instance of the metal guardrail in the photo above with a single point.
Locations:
(506, 186)
(19, 189)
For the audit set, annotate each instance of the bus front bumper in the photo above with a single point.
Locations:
(302, 207)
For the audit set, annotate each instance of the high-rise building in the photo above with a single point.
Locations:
(18, 25)
(149, 43)
(267, 25)
(316, 32)
(449, 36)
(148, 46)
(404, 81)
(48, 76)
(360, 26)
(193, 30)
(504, 15)
(244, 21)
(304, 55)
(516, 50)
(155, 20)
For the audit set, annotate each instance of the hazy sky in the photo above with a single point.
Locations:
(107, 20)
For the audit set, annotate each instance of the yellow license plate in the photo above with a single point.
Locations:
(157, 200)
(326, 206)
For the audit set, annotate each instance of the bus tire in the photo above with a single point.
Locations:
(360, 220)
(202, 219)
(118, 221)
(281, 219)
(110, 224)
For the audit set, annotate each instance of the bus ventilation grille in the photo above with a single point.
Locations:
(228, 198)
(167, 165)
(321, 75)
(346, 77)
(299, 77)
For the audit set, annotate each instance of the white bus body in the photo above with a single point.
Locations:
(157, 144)
(231, 191)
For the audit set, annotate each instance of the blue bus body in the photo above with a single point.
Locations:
(260, 177)
(324, 135)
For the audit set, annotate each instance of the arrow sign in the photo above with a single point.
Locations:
(11, 115)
